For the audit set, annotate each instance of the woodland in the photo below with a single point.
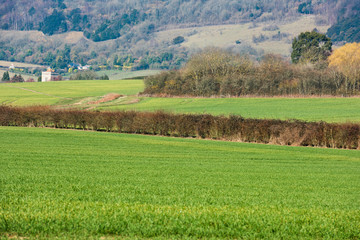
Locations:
(315, 70)
(133, 23)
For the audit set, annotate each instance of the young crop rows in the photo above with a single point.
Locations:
(75, 184)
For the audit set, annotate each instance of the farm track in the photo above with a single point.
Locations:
(108, 100)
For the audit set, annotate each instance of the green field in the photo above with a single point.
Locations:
(72, 183)
(52, 93)
(70, 93)
(309, 109)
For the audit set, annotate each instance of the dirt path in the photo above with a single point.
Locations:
(30, 90)
(107, 98)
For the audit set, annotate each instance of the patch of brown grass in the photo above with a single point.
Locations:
(136, 100)
(107, 98)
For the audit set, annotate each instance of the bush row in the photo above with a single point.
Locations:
(231, 128)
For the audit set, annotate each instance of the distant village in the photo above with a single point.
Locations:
(51, 75)
(48, 75)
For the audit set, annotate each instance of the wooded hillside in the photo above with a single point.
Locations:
(347, 26)
(130, 34)
(109, 19)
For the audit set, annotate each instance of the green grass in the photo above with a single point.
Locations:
(75, 184)
(309, 109)
(51, 93)
(70, 92)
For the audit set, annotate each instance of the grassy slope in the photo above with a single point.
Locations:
(310, 109)
(198, 37)
(59, 91)
(89, 183)
(226, 35)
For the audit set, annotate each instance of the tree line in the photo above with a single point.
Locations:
(61, 56)
(229, 128)
(88, 75)
(16, 78)
(215, 72)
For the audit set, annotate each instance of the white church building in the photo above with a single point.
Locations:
(48, 75)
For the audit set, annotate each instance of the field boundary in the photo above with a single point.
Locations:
(292, 96)
(205, 126)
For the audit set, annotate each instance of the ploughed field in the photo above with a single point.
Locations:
(82, 94)
(70, 183)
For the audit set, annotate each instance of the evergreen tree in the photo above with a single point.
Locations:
(310, 47)
(178, 40)
(55, 23)
(6, 77)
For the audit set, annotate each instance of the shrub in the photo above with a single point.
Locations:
(178, 40)
(17, 78)
(85, 75)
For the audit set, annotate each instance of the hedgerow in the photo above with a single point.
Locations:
(229, 128)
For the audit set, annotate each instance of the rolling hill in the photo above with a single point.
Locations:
(141, 33)
(36, 47)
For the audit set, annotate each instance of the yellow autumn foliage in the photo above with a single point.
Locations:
(347, 60)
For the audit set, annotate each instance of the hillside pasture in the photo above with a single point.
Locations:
(225, 36)
(89, 184)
